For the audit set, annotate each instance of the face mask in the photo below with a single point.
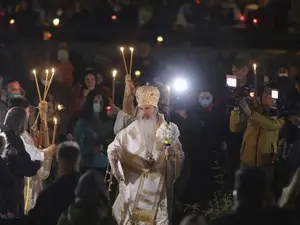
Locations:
(205, 102)
(205, 99)
(44, 82)
(12, 95)
(63, 55)
(97, 107)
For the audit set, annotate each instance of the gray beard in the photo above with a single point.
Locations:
(148, 128)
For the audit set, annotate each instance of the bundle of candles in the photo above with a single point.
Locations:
(43, 106)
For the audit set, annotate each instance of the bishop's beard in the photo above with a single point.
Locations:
(147, 127)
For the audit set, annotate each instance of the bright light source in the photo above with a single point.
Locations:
(255, 21)
(12, 21)
(160, 39)
(274, 94)
(180, 85)
(137, 73)
(56, 22)
(113, 17)
(242, 18)
(231, 81)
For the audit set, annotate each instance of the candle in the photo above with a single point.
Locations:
(46, 84)
(37, 85)
(51, 79)
(169, 95)
(54, 130)
(60, 107)
(131, 59)
(254, 68)
(114, 74)
(255, 78)
(124, 60)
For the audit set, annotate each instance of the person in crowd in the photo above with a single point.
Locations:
(94, 131)
(251, 201)
(259, 145)
(290, 198)
(241, 70)
(17, 159)
(140, 148)
(56, 198)
(6, 180)
(91, 202)
(80, 92)
(36, 183)
(206, 147)
(13, 90)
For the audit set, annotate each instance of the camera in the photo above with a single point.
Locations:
(245, 92)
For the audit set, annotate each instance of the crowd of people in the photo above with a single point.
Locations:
(153, 156)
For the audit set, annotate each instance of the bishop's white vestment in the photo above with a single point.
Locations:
(151, 191)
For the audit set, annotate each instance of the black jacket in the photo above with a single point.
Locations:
(20, 166)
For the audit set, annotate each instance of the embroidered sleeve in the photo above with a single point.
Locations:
(114, 152)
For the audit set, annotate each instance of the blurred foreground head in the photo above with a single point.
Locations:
(68, 157)
(250, 189)
(16, 120)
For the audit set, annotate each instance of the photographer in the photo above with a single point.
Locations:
(259, 144)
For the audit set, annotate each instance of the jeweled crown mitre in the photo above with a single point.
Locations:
(147, 95)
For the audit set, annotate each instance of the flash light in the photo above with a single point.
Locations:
(108, 108)
(274, 94)
(180, 85)
(252, 94)
(231, 81)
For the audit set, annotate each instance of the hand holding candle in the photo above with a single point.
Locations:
(54, 130)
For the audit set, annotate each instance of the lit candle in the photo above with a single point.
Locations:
(37, 85)
(124, 60)
(51, 79)
(54, 130)
(60, 107)
(254, 68)
(131, 59)
(46, 84)
(169, 95)
(114, 74)
(255, 78)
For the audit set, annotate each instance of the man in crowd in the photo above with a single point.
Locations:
(153, 165)
(56, 198)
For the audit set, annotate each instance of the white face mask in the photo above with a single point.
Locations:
(205, 99)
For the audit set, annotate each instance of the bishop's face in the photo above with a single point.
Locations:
(147, 112)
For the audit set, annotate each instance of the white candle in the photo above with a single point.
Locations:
(54, 130)
(114, 74)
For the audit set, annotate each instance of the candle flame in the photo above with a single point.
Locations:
(254, 65)
(55, 120)
(131, 49)
(169, 88)
(122, 49)
(47, 71)
(34, 72)
(53, 70)
(60, 107)
(114, 72)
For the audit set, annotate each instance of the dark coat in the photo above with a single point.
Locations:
(20, 166)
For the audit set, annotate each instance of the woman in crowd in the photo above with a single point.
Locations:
(17, 160)
(91, 202)
(259, 145)
(94, 131)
